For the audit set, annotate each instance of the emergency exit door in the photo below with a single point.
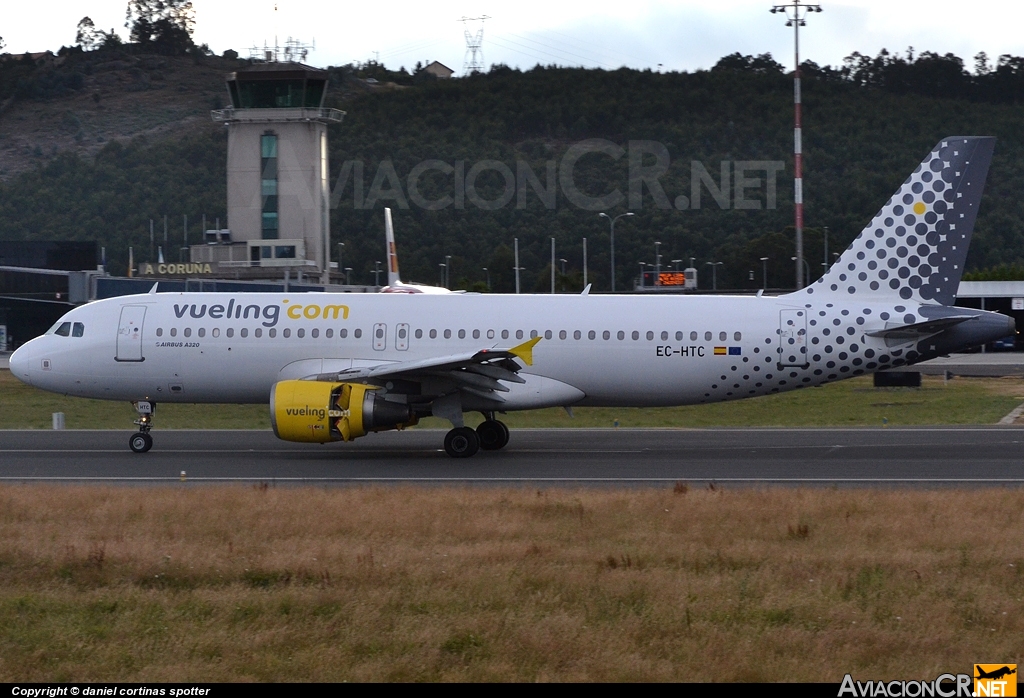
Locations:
(793, 338)
(129, 333)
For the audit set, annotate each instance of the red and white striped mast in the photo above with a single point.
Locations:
(795, 13)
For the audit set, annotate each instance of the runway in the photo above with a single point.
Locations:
(860, 456)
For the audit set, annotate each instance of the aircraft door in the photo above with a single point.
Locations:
(129, 333)
(402, 336)
(380, 336)
(793, 338)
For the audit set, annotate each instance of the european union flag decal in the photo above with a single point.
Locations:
(735, 351)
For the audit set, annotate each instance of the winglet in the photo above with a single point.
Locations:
(525, 350)
(153, 290)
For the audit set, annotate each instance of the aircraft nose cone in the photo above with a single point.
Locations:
(19, 363)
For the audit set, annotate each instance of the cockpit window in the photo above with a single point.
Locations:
(78, 330)
(64, 330)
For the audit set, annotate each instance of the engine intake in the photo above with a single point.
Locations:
(318, 412)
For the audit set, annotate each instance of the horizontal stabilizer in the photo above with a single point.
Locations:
(902, 334)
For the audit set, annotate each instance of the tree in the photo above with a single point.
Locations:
(88, 37)
(163, 26)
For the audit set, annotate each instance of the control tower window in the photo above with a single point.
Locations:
(268, 186)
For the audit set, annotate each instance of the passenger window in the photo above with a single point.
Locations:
(519, 334)
(462, 334)
(620, 334)
(401, 332)
(433, 334)
(533, 333)
(216, 332)
(606, 334)
(357, 334)
(78, 330)
(328, 334)
(737, 336)
(287, 333)
(490, 334)
(650, 335)
(693, 336)
(272, 333)
(174, 331)
(343, 333)
(300, 333)
(664, 336)
(64, 330)
(722, 336)
(244, 332)
(231, 332)
(188, 332)
(577, 334)
(636, 335)
(202, 332)
(159, 331)
(504, 334)
(258, 332)
(707, 336)
(447, 334)
(419, 334)
(561, 334)
(592, 334)
(314, 333)
(476, 334)
(679, 336)
(547, 334)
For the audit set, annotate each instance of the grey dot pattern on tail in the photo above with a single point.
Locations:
(915, 247)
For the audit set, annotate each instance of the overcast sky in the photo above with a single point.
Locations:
(678, 35)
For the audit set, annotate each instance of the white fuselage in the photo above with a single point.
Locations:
(602, 350)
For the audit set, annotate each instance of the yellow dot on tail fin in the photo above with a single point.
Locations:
(919, 208)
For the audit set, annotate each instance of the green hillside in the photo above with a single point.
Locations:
(867, 126)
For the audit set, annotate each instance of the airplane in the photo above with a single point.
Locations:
(395, 284)
(335, 367)
(994, 674)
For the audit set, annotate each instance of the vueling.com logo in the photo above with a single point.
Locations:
(307, 411)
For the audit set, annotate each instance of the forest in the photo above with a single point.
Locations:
(702, 159)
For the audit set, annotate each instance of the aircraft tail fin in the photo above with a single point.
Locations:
(916, 245)
(389, 237)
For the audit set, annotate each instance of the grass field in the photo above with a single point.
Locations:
(852, 402)
(378, 583)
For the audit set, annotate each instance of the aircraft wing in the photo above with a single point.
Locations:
(476, 372)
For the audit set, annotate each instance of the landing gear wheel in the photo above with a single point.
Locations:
(140, 442)
(461, 442)
(493, 435)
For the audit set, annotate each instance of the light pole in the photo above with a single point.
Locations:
(612, 221)
(376, 274)
(517, 268)
(806, 267)
(488, 278)
(675, 263)
(714, 274)
(563, 261)
(642, 265)
(552, 265)
(764, 270)
(447, 271)
(442, 266)
(795, 13)
(348, 276)
(657, 264)
(825, 237)
(341, 250)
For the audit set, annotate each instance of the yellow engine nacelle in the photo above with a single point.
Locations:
(318, 412)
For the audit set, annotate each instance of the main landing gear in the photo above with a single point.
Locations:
(463, 442)
(141, 441)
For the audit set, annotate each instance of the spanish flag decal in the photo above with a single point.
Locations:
(720, 351)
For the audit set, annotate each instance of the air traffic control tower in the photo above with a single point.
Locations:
(277, 170)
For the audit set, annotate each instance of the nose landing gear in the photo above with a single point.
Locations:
(141, 441)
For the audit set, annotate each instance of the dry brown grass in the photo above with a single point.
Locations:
(407, 583)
